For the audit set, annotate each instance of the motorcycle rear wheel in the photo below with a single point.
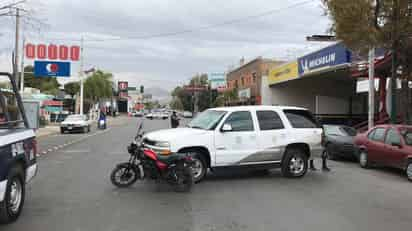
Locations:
(185, 180)
(124, 175)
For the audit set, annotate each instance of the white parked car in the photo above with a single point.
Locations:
(187, 114)
(257, 137)
(157, 115)
(75, 123)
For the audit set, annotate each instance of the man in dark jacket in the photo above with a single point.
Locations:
(174, 120)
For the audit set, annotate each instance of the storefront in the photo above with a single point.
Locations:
(321, 82)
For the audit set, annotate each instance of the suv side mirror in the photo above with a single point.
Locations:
(396, 145)
(226, 128)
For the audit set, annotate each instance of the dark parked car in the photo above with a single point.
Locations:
(386, 145)
(338, 141)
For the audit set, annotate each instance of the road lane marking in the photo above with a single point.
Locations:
(81, 138)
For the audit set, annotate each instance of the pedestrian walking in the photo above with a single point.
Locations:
(324, 162)
(312, 164)
(174, 120)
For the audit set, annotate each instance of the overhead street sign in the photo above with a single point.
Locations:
(195, 88)
(51, 69)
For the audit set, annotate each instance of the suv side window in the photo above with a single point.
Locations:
(392, 137)
(379, 135)
(240, 121)
(269, 120)
(301, 119)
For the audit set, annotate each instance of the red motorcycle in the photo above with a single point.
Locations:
(175, 169)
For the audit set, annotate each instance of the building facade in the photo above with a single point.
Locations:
(246, 80)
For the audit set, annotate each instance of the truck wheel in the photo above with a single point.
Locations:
(409, 170)
(13, 202)
(363, 159)
(295, 163)
(199, 167)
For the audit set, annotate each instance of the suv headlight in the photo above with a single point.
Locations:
(162, 144)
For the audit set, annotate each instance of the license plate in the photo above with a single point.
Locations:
(70, 128)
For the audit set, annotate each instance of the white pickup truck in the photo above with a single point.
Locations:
(257, 137)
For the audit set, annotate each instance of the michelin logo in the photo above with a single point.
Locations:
(308, 65)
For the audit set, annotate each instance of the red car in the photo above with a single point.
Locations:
(386, 145)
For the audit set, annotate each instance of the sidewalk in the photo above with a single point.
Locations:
(48, 130)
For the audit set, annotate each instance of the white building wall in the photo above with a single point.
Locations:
(318, 94)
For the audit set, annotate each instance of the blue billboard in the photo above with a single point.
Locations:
(327, 57)
(51, 69)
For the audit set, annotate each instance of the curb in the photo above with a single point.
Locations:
(47, 134)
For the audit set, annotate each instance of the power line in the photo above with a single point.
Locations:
(169, 34)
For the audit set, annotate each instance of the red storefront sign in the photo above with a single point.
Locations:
(52, 52)
(123, 85)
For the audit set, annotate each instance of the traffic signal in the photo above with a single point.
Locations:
(141, 89)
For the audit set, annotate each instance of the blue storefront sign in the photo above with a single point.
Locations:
(327, 57)
(51, 69)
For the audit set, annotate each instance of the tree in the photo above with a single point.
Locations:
(361, 24)
(98, 86)
(176, 104)
(47, 85)
(72, 88)
(185, 98)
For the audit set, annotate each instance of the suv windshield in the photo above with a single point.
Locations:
(207, 120)
(74, 118)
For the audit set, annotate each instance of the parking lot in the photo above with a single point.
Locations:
(72, 191)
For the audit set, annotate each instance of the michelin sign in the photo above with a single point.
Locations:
(327, 57)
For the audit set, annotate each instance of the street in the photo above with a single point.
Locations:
(72, 191)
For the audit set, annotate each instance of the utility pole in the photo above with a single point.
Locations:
(395, 35)
(16, 48)
(371, 114)
(81, 76)
(22, 68)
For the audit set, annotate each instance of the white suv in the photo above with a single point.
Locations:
(257, 137)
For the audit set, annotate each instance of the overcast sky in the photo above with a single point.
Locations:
(166, 61)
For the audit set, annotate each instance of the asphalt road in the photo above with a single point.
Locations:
(72, 192)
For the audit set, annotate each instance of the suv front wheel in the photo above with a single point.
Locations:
(295, 163)
(199, 166)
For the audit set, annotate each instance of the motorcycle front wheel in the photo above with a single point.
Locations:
(184, 180)
(124, 175)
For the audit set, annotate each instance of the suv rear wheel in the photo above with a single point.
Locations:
(295, 163)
